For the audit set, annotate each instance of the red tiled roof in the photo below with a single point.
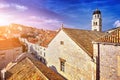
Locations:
(9, 43)
(32, 40)
(48, 37)
(44, 38)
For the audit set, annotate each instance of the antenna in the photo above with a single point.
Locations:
(62, 26)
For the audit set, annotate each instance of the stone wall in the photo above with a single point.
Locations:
(109, 54)
(78, 65)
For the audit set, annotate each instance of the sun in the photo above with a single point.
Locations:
(5, 20)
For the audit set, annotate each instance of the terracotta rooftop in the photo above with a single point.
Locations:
(113, 37)
(9, 43)
(44, 38)
(83, 38)
(30, 68)
(47, 38)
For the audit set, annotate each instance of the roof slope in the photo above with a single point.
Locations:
(83, 38)
(30, 68)
(113, 37)
(9, 43)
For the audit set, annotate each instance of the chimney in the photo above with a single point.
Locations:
(3, 74)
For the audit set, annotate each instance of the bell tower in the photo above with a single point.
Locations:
(97, 21)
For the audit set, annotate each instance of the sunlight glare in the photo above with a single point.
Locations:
(5, 20)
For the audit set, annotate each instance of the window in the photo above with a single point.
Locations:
(96, 23)
(98, 16)
(44, 54)
(62, 64)
(61, 42)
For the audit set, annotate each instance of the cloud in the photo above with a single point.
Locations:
(33, 17)
(44, 22)
(4, 5)
(19, 7)
(43, 19)
(13, 5)
(117, 23)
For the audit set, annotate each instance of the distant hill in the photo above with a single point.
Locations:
(28, 32)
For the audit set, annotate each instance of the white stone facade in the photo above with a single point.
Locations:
(109, 62)
(36, 49)
(109, 65)
(78, 64)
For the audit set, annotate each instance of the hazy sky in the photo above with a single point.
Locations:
(51, 14)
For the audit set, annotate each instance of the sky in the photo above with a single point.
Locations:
(51, 14)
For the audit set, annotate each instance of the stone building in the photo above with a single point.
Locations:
(70, 53)
(107, 52)
(36, 49)
(9, 50)
(38, 45)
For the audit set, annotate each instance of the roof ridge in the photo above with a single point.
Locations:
(75, 29)
(81, 29)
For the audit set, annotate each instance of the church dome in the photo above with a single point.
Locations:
(96, 12)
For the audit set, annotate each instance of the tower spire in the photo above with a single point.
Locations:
(97, 20)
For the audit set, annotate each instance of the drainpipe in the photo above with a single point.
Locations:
(98, 64)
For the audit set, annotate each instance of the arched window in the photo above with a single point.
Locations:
(96, 23)
(98, 15)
